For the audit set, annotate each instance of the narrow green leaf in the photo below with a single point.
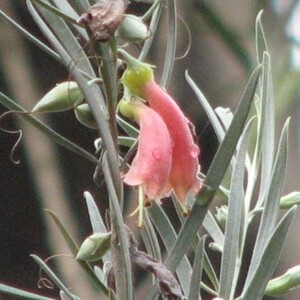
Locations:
(31, 37)
(228, 146)
(171, 43)
(126, 141)
(231, 251)
(128, 128)
(210, 272)
(152, 28)
(67, 237)
(62, 53)
(271, 209)
(108, 71)
(74, 249)
(112, 295)
(216, 124)
(269, 258)
(150, 238)
(194, 292)
(64, 41)
(9, 290)
(55, 11)
(53, 135)
(149, 13)
(120, 251)
(81, 5)
(66, 7)
(94, 214)
(214, 175)
(267, 128)
(213, 229)
(168, 235)
(53, 277)
(80, 67)
(260, 40)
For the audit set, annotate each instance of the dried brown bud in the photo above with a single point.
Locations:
(103, 18)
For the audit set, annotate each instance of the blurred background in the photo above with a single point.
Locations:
(220, 59)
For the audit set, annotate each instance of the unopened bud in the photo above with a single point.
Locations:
(127, 109)
(132, 29)
(63, 96)
(215, 247)
(283, 284)
(94, 247)
(221, 215)
(84, 115)
(290, 200)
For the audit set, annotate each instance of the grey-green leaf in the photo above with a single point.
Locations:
(269, 258)
(9, 290)
(194, 292)
(260, 40)
(171, 43)
(215, 174)
(230, 256)
(216, 124)
(271, 209)
(168, 235)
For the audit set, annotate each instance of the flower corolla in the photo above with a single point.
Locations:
(151, 166)
(138, 78)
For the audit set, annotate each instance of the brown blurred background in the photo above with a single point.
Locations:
(220, 60)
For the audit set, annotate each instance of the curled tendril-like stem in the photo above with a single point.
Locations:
(189, 34)
(18, 132)
(44, 282)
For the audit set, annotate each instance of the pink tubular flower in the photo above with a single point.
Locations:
(185, 165)
(139, 80)
(151, 166)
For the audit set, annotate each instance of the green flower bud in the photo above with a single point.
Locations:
(290, 200)
(132, 29)
(136, 75)
(215, 247)
(94, 247)
(283, 284)
(127, 109)
(221, 215)
(64, 96)
(84, 115)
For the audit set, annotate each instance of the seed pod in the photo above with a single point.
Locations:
(84, 115)
(222, 215)
(290, 200)
(132, 29)
(64, 96)
(94, 247)
(103, 18)
(280, 286)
